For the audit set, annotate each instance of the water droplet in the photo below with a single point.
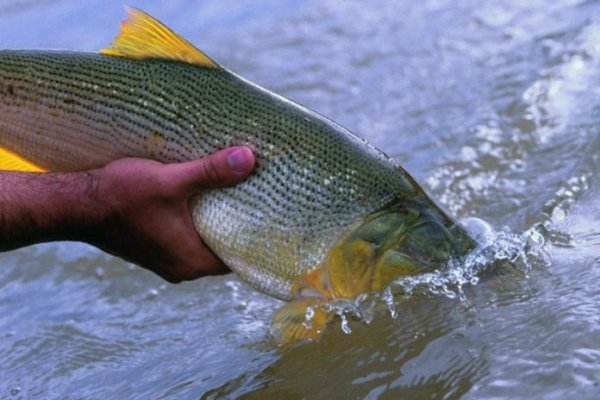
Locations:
(309, 315)
(100, 273)
(558, 214)
(345, 326)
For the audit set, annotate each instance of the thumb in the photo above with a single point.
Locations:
(220, 169)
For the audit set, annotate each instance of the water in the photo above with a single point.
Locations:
(493, 106)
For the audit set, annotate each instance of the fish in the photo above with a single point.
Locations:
(324, 216)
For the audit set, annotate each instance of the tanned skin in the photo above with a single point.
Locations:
(132, 208)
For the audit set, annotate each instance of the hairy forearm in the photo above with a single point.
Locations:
(132, 208)
(41, 207)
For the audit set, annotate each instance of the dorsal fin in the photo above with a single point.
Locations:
(143, 36)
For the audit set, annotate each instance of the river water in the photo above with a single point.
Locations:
(494, 106)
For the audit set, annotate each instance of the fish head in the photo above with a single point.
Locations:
(405, 239)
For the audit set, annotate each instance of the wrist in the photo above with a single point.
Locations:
(84, 210)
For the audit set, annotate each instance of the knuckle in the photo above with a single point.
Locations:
(212, 171)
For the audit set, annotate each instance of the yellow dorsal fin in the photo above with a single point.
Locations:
(143, 36)
(13, 162)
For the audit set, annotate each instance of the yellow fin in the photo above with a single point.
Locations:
(144, 37)
(290, 325)
(13, 162)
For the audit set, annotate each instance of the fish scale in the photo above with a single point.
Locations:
(313, 178)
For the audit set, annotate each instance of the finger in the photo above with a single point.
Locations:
(221, 169)
(198, 263)
(209, 265)
(195, 257)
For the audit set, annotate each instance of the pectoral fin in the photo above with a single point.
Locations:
(290, 323)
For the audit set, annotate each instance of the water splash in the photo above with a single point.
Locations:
(522, 252)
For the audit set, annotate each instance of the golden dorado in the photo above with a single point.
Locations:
(324, 216)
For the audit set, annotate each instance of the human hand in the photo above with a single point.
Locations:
(147, 215)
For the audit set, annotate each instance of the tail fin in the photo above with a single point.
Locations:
(13, 162)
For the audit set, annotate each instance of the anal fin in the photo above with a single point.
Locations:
(290, 323)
